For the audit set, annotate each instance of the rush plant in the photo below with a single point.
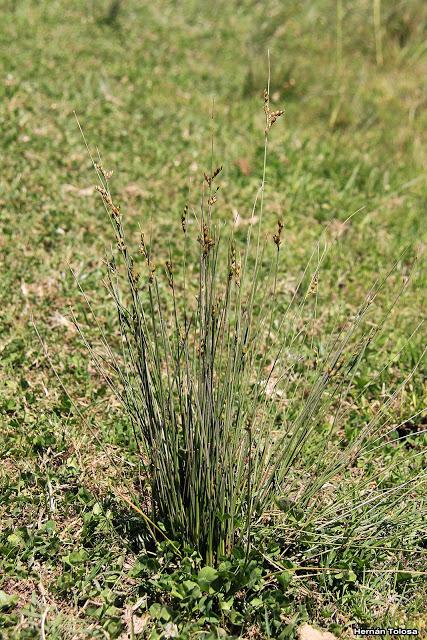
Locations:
(237, 410)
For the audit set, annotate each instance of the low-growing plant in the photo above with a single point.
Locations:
(237, 399)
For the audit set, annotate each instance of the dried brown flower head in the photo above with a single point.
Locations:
(169, 273)
(184, 219)
(205, 240)
(106, 174)
(234, 267)
(210, 179)
(115, 211)
(212, 199)
(270, 116)
(314, 283)
(143, 247)
(277, 236)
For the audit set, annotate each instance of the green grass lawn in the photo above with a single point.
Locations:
(142, 80)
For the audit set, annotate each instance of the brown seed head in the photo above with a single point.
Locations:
(106, 198)
(210, 179)
(206, 241)
(169, 273)
(234, 267)
(115, 211)
(201, 348)
(106, 174)
(184, 219)
(314, 283)
(216, 172)
(277, 236)
(143, 247)
(270, 116)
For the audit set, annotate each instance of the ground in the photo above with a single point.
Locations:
(143, 79)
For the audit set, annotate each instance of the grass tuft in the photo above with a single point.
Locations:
(237, 403)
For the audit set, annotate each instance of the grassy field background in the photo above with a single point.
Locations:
(142, 82)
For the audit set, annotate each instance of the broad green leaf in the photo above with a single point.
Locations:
(206, 576)
(7, 601)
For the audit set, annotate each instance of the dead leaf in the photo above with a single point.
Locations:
(338, 228)
(43, 289)
(83, 193)
(58, 320)
(135, 190)
(242, 222)
(244, 166)
(270, 387)
(134, 624)
(306, 632)
(171, 630)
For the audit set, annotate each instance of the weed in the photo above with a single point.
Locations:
(192, 380)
